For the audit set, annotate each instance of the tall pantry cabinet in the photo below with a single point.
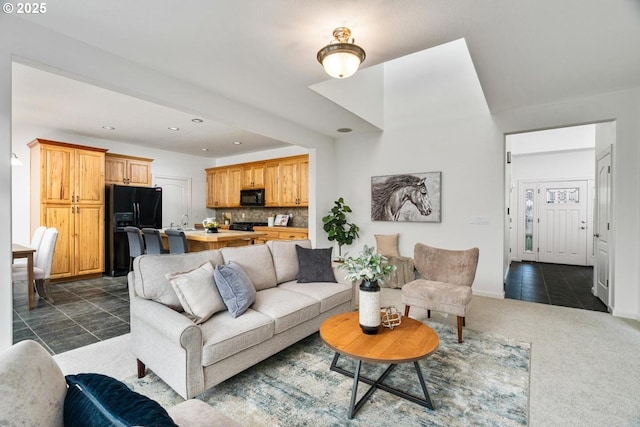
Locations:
(67, 192)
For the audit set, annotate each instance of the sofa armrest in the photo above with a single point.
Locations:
(169, 343)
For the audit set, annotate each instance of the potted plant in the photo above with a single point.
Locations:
(368, 268)
(337, 226)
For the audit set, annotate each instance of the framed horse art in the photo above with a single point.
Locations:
(409, 197)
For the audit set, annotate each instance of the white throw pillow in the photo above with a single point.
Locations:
(197, 292)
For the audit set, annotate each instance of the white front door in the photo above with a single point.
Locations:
(563, 222)
(176, 199)
(602, 226)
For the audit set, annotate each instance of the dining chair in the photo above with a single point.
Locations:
(177, 241)
(36, 239)
(153, 241)
(42, 265)
(136, 244)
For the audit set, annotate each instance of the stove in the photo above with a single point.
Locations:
(246, 226)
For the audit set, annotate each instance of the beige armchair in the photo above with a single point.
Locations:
(445, 282)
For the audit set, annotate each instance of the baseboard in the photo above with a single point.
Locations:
(498, 295)
(625, 314)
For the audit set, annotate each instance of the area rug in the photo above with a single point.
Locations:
(483, 381)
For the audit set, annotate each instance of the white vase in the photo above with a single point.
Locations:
(369, 307)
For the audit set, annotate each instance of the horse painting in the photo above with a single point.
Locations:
(390, 194)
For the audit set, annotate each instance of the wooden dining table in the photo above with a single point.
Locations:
(20, 251)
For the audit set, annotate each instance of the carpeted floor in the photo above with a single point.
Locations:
(483, 381)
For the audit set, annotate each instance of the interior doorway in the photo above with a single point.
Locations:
(552, 210)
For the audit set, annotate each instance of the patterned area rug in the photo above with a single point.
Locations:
(483, 381)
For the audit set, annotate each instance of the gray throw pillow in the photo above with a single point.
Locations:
(314, 265)
(235, 287)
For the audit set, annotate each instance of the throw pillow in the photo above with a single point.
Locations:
(95, 400)
(387, 245)
(314, 265)
(197, 292)
(235, 287)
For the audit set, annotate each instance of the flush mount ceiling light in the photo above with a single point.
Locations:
(108, 128)
(341, 58)
(174, 128)
(237, 142)
(197, 120)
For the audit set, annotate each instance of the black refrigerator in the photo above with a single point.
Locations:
(127, 206)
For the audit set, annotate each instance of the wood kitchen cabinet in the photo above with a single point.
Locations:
(252, 175)
(67, 192)
(290, 178)
(127, 170)
(281, 233)
(223, 187)
(285, 181)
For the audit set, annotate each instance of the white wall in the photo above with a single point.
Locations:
(562, 165)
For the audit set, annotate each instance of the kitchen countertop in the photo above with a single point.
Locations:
(220, 236)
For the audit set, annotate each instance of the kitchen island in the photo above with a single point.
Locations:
(200, 240)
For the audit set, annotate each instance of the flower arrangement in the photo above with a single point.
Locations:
(369, 266)
(211, 223)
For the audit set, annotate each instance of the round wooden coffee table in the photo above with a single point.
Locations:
(409, 342)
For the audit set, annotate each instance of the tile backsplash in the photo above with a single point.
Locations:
(300, 216)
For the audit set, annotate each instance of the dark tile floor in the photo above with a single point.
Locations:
(84, 312)
(555, 284)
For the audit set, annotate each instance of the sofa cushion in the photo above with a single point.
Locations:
(197, 292)
(95, 400)
(150, 270)
(328, 294)
(32, 387)
(235, 287)
(287, 309)
(285, 257)
(223, 335)
(256, 261)
(314, 265)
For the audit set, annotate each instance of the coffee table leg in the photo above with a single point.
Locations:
(424, 386)
(354, 391)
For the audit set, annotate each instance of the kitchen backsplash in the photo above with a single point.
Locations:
(300, 216)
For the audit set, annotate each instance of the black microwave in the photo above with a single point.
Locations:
(252, 197)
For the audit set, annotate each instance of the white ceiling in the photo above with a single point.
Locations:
(262, 53)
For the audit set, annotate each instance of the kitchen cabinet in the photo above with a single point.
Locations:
(67, 192)
(127, 170)
(223, 187)
(285, 181)
(281, 233)
(252, 175)
(291, 182)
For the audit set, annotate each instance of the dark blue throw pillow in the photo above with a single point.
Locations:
(95, 400)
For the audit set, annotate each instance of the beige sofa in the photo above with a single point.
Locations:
(33, 391)
(192, 358)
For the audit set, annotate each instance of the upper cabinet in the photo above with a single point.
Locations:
(285, 181)
(252, 175)
(288, 180)
(127, 170)
(223, 187)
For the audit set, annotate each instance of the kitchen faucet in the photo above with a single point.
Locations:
(185, 221)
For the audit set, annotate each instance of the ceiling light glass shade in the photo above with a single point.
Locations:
(340, 58)
(15, 161)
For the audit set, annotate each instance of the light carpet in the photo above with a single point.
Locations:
(483, 381)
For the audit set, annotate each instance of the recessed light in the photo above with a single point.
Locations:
(345, 130)
(174, 128)
(204, 149)
(108, 128)
(237, 142)
(197, 120)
